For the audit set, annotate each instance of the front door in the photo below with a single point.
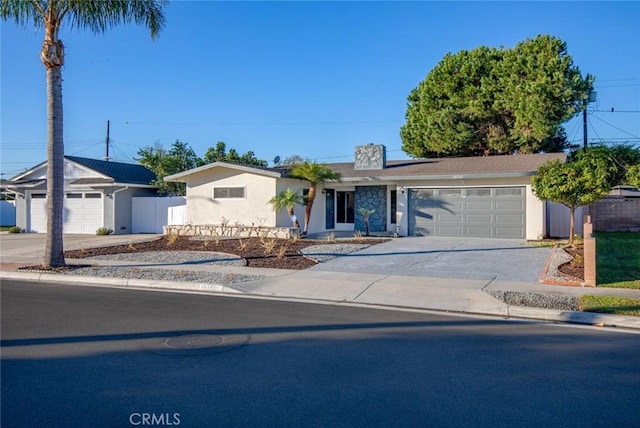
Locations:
(329, 209)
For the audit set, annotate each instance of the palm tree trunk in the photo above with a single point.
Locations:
(52, 56)
(291, 213)
(54, 248)
(307, 209)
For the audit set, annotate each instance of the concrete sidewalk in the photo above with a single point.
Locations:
(322, 285)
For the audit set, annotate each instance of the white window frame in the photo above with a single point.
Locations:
(244, 192)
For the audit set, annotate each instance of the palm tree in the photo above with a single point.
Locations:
(288, 200)
(313, 173)
(49, 15)
(366, 213)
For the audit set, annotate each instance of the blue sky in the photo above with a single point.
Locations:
(282, 78)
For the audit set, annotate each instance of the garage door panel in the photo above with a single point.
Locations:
(480, 231)
(445, 216)
(479, 205)
(509, 205)
(508, 232)
(478, 218)
(450, 230)
(509, 219)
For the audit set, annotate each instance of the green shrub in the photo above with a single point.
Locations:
(15, 229)
(104, 231)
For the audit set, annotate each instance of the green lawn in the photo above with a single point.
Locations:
(610, 305)
(618, 259)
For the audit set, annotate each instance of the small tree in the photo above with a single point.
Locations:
(579, 182)
(288, 200)
(313, 173)
(292, 160)
(180, 157)
(633, 175)
(219, 154)
(366, 213)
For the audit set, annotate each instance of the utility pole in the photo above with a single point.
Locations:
(106, 151)
(584, 126)
(590, 99)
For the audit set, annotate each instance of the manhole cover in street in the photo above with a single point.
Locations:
(196, 344)
(193, 341)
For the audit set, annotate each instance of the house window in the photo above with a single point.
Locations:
(394, 205)
(345, 211)
(38, 196)
(74, 195)
(235, 192)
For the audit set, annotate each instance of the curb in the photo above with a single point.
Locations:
(122, 282)
(513, 312)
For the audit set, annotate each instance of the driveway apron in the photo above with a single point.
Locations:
(439, 257)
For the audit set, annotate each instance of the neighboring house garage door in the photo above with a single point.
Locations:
(478, 212)
(38, 213)
(82, 212)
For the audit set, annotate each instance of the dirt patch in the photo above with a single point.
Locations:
(574, 267)
(271, 253)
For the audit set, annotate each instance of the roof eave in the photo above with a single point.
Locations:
(37, 183)
(114, 184)
(181, 176)
(438, 177)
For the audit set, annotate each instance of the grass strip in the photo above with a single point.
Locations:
(618, 259)
(610, 305)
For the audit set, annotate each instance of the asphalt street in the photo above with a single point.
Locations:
(89, 356)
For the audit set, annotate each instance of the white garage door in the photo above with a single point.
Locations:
(82, 213)
(481, 212)
(38, 213)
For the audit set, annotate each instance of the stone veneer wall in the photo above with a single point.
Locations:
(230, 231)
(371, 197)
(370, 156)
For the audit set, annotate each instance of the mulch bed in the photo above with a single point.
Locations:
(271, 253)
(575, 267)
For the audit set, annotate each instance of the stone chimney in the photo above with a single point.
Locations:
(370, 156)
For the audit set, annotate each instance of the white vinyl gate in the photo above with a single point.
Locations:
(150, 214)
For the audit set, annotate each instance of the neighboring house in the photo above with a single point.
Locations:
(97, 194)
(471, 196)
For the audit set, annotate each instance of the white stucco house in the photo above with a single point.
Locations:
(468, 196)
(97, 194)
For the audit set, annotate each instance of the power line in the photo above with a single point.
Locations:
(616, 111)
(613, 126)
(617, 86)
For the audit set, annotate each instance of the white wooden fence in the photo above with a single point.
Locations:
(151, 214)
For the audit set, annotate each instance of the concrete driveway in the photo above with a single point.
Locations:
(438, 257)
(428, 257)
(21, 246)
